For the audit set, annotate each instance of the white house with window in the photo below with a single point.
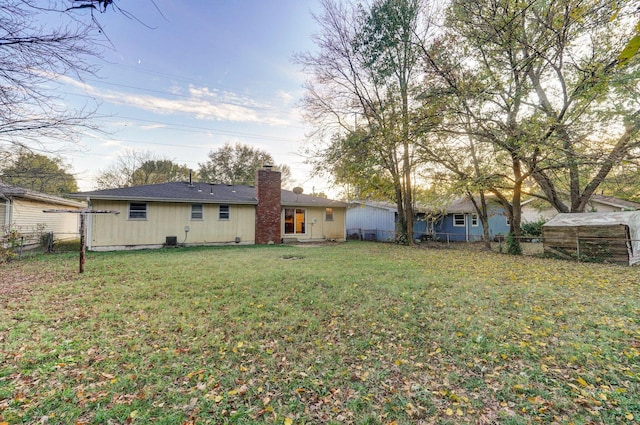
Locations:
(183, 213)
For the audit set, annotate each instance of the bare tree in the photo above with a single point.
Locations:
(34, 54)
(363, 83)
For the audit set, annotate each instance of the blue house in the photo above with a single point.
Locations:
(460, 222)
(377, 221)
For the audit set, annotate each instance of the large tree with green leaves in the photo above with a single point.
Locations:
(541, 82)
(359, 164)
(38, 172)
(237, 164)
(136, 168)
(363, 80)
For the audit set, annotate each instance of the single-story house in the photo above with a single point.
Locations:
(612, 236)
(457, 222)
(21, 210)
(539, 210)
(460, 222)
(195, 213)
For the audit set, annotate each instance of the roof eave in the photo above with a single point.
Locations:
(168, 200)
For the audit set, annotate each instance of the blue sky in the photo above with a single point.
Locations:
(205, 73)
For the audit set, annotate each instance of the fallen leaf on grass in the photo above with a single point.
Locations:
(197, 372)
(582, 382)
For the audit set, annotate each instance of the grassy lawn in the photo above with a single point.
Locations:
(357, 333)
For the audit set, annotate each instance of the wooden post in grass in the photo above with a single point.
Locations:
(83, 230)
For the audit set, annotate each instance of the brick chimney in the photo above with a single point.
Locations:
(268, 210)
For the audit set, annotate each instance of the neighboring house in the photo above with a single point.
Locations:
(460, 222)
(373, 221)
(377, 221)
(21, 210)
(538, 210)
(610, 236)
(193, 213)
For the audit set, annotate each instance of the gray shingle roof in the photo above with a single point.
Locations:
(615, 202)
(205, 193)
(290, 199)
(20, 192)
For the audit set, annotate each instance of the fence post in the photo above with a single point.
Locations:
(578, 247)
(21, 246)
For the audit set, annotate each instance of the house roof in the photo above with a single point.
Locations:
(291, 199)
(611, 201)
(464, 205)
(373, 204)
(595, 219)
(10, 191)
(205, 193)
(615, 202)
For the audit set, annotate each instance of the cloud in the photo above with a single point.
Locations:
(201, 103)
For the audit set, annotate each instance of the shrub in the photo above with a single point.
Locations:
(9, 239)
(533, 228)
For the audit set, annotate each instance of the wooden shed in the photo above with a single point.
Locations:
(612, 237)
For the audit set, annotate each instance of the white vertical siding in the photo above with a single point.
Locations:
(320, 228)
(28, 217)
(4, 212)
(111, 231)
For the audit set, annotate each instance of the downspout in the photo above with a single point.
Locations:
(7, 211)
(344, 224)
(467, 226)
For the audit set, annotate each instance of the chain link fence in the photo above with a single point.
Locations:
(16, 244)
(617, 250)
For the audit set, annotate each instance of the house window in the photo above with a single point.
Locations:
(458, 220)
(328, 214)
(196, 212)
(223, 212)
(294, 221)
(474, 220)
(137, 210)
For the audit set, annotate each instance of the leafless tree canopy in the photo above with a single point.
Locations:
(34, 54)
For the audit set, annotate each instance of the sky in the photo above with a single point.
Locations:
(186, 78)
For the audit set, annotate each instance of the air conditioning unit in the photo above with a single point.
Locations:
(171, 241)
